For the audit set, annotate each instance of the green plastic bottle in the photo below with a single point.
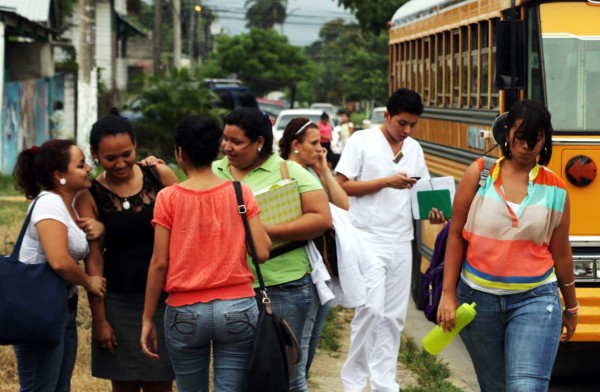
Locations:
(435, 341)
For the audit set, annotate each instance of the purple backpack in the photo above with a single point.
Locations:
(433, 277)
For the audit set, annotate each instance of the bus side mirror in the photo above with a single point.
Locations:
(507, 54)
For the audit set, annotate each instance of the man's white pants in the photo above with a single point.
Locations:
(377, 325)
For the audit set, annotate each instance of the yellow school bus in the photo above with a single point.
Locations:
(470, 60)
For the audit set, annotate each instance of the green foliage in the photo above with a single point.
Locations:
(264, 14)
(352, 64)
(166, 100)
(373, 15)
(330, 334)
(264, 59)
(7, 185)
(432, 374)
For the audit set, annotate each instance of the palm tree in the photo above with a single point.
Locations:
(265, 14)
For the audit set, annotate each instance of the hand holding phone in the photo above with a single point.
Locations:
(416, 178)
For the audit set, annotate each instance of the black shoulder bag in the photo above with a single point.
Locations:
(276, 348)
(33, 299)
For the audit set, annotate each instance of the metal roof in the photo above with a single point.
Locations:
(34, 10)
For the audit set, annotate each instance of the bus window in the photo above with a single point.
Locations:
(572, 67)
(474, 64)
(464, 81)
(447, 68)
(534, 75)
(455, 68)
(440, 69)
(485, 61)
(426, 59)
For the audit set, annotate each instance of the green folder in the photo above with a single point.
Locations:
(439, 199)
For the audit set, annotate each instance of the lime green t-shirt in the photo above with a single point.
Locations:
(294, 264)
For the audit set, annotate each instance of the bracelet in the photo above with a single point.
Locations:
(568, 284)
(572, 311)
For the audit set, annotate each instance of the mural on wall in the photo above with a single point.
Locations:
(26, 110)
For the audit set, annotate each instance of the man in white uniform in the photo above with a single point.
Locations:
(377, 168)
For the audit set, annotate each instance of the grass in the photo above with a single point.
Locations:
(432, 373)
(7, 185)
(330, 335)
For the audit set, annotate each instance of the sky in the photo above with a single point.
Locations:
(305, 17)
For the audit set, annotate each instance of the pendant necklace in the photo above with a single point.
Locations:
(124, 200)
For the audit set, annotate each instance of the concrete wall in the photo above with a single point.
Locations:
(29, 60)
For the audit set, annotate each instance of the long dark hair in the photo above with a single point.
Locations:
(535, 118)
(36, 166)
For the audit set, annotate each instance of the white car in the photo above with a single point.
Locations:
(376, 118)
(284, 118)
(328, 108)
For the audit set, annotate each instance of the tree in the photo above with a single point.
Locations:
(352, 64)
(265, 14)
(262, 58)
(373, 15)
(166, 100)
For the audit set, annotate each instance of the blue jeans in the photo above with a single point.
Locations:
(322, 312)
(294, 301)
(49, 369)
(229, 325)
(514, 338)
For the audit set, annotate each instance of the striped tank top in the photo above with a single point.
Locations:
(507, 250)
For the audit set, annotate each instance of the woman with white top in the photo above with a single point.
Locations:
(55, 173)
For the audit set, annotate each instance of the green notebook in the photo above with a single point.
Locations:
(439, 199)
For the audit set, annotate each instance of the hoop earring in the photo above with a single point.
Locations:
(96, 162)
(545, 150)
(296, 152)
(62, 181)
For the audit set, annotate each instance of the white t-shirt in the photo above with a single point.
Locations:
(51, 206)
(368, 156)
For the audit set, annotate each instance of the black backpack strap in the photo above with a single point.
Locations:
(242, 210)
(17, 247)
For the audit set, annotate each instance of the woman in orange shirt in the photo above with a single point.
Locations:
(200, 260)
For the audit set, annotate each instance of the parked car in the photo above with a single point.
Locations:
(375, 119)
(232, 93)
(285, 116)
(271, 107)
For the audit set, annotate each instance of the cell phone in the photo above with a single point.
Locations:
(416, 178)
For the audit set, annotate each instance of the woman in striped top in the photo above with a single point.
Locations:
(517, 255)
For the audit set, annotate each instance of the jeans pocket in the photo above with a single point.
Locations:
(180, 327)
(463, 291)
(545, 290)
(242, 325)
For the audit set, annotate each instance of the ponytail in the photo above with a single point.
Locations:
(36, 166)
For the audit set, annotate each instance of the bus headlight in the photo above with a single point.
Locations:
(586, 269)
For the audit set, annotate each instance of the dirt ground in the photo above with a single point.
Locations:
(327, 365)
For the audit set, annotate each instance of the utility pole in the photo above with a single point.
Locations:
(176, 33)
(156, 37)
(86, 40)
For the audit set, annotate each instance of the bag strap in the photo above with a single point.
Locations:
(17, 247)
(284, 170)
(242, 210)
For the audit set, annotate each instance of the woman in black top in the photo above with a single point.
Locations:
(122, 198)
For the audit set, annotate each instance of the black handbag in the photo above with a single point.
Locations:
(276, 349)
(33, 299)
(327, 247)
